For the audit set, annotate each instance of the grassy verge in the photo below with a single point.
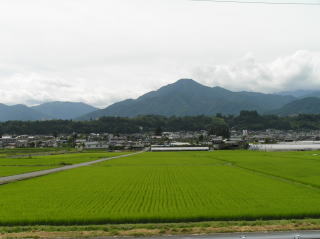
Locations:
(157, 229)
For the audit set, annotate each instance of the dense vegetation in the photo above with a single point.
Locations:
(167, 187)
(150, 123)
(252, 120)
(113, 125)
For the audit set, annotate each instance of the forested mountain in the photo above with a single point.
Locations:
(309, 105)
(182, 98)
(64, 110)
(187, 97)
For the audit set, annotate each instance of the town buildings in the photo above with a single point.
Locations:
(105, 141)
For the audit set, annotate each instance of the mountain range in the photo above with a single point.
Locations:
(64, 110)
(46, 111)
(308, 105)
(302, 93)
(187, 97)
(19, 112)
(182, 98)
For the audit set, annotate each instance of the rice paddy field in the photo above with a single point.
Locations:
(303, 167)
(16, 165)
(170, 187)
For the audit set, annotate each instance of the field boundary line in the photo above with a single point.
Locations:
(24, 176)
(270, 175)
(40, 154)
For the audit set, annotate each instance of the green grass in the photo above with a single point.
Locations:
(12, 166)
(159, 187)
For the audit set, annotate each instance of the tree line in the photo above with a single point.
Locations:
(218, 124)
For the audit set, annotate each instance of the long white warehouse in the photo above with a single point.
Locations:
(295, 146)
(157, 148)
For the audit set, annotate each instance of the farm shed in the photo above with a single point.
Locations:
(165, 149)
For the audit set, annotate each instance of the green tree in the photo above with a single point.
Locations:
(158, 131)
(219, 128)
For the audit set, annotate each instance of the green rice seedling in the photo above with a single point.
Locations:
(157, 187)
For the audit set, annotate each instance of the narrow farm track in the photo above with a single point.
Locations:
(26, 155)
(39, 154)
(274, 176)
(19, 177)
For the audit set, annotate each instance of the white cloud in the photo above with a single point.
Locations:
(99, 85)
(298, 71)
(102, 51)
(103, 84)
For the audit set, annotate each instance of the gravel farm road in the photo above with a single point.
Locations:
(18, 177)
(249, 235)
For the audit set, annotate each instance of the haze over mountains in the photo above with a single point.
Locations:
(184, 97)
(46, 111)
(302, 93)
(19, 112)
(64, 110)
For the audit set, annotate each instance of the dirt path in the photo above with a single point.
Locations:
(13, 178)
(289, 231)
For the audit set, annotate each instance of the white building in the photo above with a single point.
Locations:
(287, 146)
(96, 145)
(166, 149)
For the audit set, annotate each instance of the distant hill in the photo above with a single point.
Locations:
(301, 93)
(19, 112)
(187, 97)
(309, 105)
(64, 110)
(313, 94)
(182, 98)
(46, 111)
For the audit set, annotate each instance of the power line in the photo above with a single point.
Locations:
(262, 2)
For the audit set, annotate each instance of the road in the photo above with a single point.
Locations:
(251, 235)
(13, 178)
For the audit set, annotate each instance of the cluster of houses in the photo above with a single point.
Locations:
(27, 141)
(274, 136)
(199, 140)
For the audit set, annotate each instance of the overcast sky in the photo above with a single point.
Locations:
(103, 51)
